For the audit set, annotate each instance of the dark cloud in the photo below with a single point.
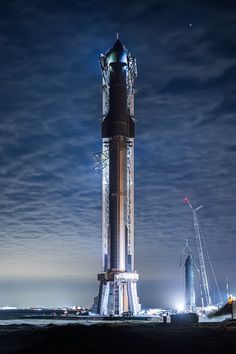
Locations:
(50, 107)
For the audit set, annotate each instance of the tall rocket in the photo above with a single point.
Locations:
(189, 285)
(118, 281)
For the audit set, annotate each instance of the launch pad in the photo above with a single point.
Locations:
(118, 294)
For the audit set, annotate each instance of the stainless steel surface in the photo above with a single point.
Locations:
(189, 284)
(118, 203)
(118, 282)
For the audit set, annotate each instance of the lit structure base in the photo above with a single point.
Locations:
(117, 294)
(190, 309)
(233, 309)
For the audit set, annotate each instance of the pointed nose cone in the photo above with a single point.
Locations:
(117, 54)
(189, 261)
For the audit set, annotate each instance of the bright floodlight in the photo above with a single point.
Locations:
(180, 307)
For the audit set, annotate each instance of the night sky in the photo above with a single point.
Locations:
(50, 106)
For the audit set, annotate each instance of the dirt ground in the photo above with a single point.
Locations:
(122, 338)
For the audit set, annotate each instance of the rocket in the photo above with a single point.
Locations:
(117, 293)
(189, 285)
(117, 121)
(118, 136)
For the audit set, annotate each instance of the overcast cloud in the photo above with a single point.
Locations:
(50, 106)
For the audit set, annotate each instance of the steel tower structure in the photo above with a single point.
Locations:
(118, 280)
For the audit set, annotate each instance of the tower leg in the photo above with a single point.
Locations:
(118, 294)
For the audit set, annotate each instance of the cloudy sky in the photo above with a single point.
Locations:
(50, 106)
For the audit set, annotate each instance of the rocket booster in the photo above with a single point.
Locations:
(118, 280)
(118, 130)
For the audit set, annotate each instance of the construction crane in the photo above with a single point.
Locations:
(203, 273)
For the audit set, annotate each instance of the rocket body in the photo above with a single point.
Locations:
(117, 203)
(189, 285)
(118, 140)
(118, 131)
(117, 115)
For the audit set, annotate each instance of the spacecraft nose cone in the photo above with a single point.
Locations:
(189, 259)
(117, 54)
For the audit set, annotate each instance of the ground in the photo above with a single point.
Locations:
(122, 338)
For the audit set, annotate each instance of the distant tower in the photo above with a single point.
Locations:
(118, 282)
(189, 285)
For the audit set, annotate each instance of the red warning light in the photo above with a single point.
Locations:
(186, 200)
